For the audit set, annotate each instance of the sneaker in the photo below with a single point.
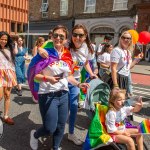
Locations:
(33, 141)
(8, 121)
(19, 92)
(74, 139)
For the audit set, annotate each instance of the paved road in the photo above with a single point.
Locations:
(26, 116)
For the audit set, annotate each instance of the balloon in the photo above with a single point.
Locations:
(135, 36)
(144, 37)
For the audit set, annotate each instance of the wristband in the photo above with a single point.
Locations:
(78, 85)
(116, 85)
(44, 79)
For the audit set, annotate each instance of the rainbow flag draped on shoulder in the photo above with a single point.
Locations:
(38, 63)
(97, 135)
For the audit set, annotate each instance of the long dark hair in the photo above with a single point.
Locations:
(105, 48)
(87, 40)
(8, 45)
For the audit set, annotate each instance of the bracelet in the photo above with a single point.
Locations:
(116, 85)
(44, 79)
(78, 85)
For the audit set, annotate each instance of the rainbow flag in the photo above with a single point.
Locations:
(38, 63)
(97, 135)
(144, 127)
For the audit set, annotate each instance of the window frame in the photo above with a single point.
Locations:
(88, 6)
(122, 3)
(44, 6)
(64, 12)
(45, 13)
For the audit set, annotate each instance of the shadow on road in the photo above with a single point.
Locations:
(16, 137)
(23, 100)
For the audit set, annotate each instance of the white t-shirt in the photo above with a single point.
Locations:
(116, 120)
(104, 58)
(100, 46)
(79, 57)
(53, 69)
(123, 58)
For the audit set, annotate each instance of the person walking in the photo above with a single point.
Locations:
(104, 59)
(53, 90)
(121, 61)
(81, 50)
(20, 58)
(7, 72)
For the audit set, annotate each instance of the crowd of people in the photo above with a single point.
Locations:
(59, 80)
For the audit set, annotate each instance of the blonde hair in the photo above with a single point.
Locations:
(113, 98)
(130, 47)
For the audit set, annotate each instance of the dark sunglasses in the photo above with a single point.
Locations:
(76, 34)
(56, 35)
(126, 38)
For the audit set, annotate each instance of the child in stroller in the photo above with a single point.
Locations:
(99, 93)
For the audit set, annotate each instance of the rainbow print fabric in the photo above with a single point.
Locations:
(38, 63)
(97, 135)
(144, 127)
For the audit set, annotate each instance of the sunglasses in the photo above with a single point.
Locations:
(56, 35)
(76, 35)
(126, 38)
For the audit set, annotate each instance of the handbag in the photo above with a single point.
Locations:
(107, 78)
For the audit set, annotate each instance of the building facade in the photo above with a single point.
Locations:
(100, 16)
(13, 16)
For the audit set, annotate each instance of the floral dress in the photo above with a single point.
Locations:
(7, 70)
(20, 65)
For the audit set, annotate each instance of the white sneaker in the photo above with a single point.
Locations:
(33, 141)
(74, 139)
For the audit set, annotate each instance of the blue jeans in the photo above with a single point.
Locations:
(54, 112)
(73, 106)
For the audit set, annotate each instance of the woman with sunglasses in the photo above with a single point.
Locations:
(53, 90)
(81, 50)
(121, 61)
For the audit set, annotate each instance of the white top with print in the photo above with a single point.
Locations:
(53, 69)
(121, 56)
(79, 57)
(115, 119)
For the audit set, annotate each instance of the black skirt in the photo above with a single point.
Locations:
(123, 81)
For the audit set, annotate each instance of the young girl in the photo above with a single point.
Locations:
(115, 121)
(7, 72)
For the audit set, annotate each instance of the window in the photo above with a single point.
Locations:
(63, 7)
(19, 28)
(90, 6)
(44, 15)
(120, 5)
(44, 7)
(12, 27)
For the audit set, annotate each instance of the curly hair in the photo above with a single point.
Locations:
(8, 45)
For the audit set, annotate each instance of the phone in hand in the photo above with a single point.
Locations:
(59, 75)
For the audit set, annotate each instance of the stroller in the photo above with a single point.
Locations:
(96, 104)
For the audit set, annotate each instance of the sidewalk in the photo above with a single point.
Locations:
(142, 68)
